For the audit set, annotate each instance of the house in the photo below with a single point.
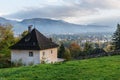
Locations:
(34, 48)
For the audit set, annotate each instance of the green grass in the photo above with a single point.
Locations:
(105, 68)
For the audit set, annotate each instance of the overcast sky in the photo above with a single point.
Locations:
(75, 11)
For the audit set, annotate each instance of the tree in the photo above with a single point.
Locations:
(97, 45)
(67, 55)
(6, 38)
(98, 51)
(61, 51)
(110, 48)
(88, 48)
(74, 50)
(24, 33)
(116, 38)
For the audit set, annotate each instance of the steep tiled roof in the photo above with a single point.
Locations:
(34, 41)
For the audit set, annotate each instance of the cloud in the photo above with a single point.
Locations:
(70, 10)
(52, 12)
(108, 4)
(48, 11)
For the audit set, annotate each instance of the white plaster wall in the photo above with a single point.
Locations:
(16, 55)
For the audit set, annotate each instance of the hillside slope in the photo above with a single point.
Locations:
(106, 68)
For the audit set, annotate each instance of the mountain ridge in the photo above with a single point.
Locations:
(50, 26)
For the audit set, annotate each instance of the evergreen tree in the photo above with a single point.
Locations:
(61, 51)
(116, 38)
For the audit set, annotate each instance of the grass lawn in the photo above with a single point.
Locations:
(105, 68)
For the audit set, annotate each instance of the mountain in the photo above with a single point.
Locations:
(50, 26)
(6, 21)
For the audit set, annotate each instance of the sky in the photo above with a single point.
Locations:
(73, 11)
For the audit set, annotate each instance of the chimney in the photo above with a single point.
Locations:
(50, 39)
(30, 28)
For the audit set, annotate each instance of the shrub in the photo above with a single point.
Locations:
(43, 60)
(17, 63)
(67, 55)
(31, 63)
(5, 63)
(98, 51)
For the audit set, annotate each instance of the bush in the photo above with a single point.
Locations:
(17, 63)
(5, 63)
(67, 55)
(98, 51)
(44, 60)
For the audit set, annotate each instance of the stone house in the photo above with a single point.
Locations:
(34, 48)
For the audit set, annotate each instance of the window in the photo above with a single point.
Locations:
(43, 53)
(51, 51)
(31, 54)
(27, 38)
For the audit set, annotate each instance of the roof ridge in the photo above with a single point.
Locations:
(37, 37)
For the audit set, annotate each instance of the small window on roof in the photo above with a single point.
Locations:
(27, 38)
(30, 54)
(34, 43)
